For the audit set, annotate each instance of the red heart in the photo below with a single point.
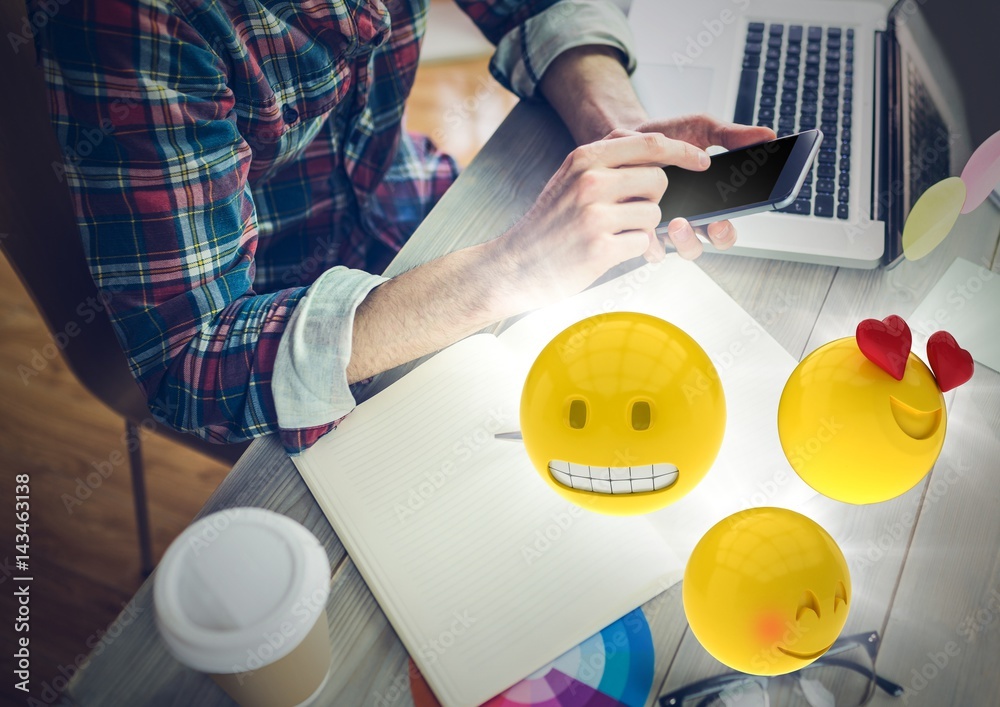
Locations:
(952, 365)
(886, 343)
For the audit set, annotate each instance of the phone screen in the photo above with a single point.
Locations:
(735, 179)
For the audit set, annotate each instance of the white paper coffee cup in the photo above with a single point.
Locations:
(241, 595)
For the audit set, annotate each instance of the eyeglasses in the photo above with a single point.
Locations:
(844, 675)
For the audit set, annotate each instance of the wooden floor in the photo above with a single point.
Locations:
(84, 557)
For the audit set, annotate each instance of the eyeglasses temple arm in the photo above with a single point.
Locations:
(894, 689)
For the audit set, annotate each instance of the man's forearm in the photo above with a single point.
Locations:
(590, 89)
(428, 308)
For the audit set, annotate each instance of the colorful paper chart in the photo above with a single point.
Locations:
(613, 667)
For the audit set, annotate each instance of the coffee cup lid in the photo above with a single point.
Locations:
(239, 589)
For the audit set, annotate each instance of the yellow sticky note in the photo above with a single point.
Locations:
(932, 217)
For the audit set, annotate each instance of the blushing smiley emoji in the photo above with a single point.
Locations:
(622, 413)
(766, 591)
(863, 419)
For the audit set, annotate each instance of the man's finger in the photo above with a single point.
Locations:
(629, 183)
(648, 149)
(629, 244)
(656, 252)
(620, 132)
(636, 216)
(705, 130)
(733, 136)
(685, 241)
(722, 234)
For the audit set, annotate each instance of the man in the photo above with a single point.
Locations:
(238, 170)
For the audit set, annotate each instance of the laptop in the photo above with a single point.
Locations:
(870, 76)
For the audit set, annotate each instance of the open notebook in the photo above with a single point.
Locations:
(483, 571)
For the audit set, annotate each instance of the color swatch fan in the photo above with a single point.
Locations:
(613, 667)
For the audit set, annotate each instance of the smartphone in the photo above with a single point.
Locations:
(762, 177)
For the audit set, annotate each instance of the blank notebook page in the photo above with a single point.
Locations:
(484, 572)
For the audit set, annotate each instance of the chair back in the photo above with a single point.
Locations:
(39, 232)
(40, 237)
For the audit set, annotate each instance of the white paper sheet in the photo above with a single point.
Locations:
(966, 303)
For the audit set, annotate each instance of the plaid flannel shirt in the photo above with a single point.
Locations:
(238, 168)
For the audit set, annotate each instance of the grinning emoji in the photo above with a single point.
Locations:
(862, 419)
(622, 413)
(766, 591)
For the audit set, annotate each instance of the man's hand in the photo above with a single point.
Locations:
(599, 209)
(703, 131)
(590, 89)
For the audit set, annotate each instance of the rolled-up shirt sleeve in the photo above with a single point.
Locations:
(529, 40)
(310, 385)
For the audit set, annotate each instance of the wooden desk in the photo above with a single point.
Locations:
(934, 572)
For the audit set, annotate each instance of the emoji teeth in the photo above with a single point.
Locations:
(614, 479)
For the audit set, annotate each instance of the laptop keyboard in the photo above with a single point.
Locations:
(800, 77)
(930, 154)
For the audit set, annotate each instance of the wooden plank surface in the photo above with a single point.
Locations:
(942, 641)
(855, 295)
(802, 306)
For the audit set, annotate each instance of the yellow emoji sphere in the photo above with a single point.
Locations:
(622, 413)
(852, 431)
(766, 591)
